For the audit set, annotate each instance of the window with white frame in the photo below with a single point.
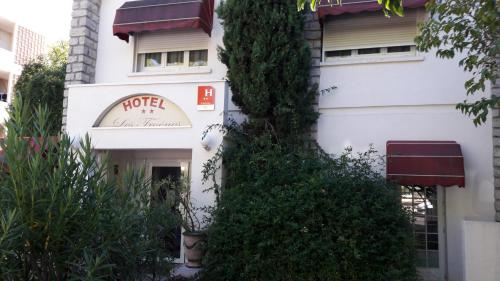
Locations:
(422, 205)
(198, 57)
(171, 51)
(370, 35)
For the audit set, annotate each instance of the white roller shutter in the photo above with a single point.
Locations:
(369, 30)
(179, 40)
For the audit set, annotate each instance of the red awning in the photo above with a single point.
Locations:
(357, 6)
(153, 15)
(425, 163)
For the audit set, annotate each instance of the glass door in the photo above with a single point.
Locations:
(427, 217)
(169, 170)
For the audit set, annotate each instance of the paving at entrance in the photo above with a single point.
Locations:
(180, 273)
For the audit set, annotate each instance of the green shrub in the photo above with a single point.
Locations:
(268, 63)
(300, 215)
(62, 217)
(42, 84)
(287, 211)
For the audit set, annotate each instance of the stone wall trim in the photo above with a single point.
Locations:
(82, 46)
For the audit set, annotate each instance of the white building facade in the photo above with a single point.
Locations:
(17, 46)
(147, 95)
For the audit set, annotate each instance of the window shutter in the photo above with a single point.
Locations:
(369, 30)
(178, 40)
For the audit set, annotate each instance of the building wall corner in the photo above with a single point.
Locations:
(495, 91)
(313, 35)
(82, 47)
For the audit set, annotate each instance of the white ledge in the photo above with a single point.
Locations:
(136, 83)
(370, 60)
(182, 71)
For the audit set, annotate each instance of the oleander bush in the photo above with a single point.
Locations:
(63, 217)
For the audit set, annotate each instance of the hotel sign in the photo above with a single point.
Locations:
(144, 111)
(206, 98)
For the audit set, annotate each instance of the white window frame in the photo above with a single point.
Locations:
(140, 62)
(440, 273)
(383, 53)
(142, 59)
(382, 57)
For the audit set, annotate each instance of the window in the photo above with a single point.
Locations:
(198, 58)
(341, 53)
(421, 202)
(399, 49)
(172, 60)
(152, 60)
(368, 51)
(393, 50)
(171, 50)
(175, 58)
(369, 34)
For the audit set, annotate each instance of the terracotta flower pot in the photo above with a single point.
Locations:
(194, 248)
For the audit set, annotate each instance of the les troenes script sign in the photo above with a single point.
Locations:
(142, 111)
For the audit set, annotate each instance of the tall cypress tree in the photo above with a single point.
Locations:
(268, 64)
(288, 211)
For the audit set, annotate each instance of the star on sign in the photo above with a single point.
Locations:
(143, 111)
(151, 111)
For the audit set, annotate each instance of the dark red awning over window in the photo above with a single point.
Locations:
(152, 15)
(425, 163)
(357, 6)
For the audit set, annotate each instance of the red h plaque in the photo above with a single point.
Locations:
(206, 98)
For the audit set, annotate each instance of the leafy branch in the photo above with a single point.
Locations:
(469, 27)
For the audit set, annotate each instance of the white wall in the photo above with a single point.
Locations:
(8, 66)
(114, 79)
(411, 99)
(87, 102)
(482, 250)
(115, 57)
(5, 40)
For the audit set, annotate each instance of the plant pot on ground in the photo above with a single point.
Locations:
(194, 248)
(194, 234)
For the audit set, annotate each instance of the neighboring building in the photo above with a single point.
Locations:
(146, 95)
(29, 45)
(18, 45)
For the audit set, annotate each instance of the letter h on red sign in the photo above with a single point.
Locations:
(206, 98)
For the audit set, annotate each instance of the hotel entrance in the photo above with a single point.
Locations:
(155, 126)
(159, 165)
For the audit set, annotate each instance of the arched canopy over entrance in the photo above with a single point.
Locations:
(143, 111)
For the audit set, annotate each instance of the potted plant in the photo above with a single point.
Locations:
(194, 231)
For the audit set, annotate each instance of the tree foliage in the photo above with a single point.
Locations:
(286, 210)
(268, 65)
(300, 215)
(42, 84)
(388, 6)
(470, 27)
(62, 217)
